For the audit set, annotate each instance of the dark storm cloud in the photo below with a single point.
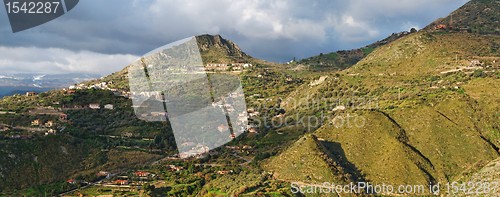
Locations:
(276, 30)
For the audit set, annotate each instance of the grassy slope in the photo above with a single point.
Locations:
(424, 54)
(346, 58)
(378, 150)
(44, 160)
(489, 174)
(303, 162)
(485, 92)
(454, 129)
(446, 136)
(477, 16)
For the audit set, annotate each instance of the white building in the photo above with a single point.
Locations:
(95, 106)
(108, 106)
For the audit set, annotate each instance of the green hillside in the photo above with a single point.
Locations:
(343, 59)
(303, 161)
(215, 49)
(476, 16)
(429, 103)
(416, 108)
(378, 152)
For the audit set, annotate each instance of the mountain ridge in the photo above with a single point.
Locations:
(433, 119)
(475, 16)
(344, 59)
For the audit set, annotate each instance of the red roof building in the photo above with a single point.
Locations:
(121, 182)
(141, 174)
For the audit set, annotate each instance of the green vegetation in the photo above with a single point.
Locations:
(344, 59)
(415, 108)
(476, 16)
(303, 161)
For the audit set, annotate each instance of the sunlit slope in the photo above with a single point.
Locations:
(430, 101)
(425, 54)
(485, 92)
(378, 149)
(303, 161)
(447, 136)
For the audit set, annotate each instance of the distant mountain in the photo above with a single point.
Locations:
(11, 90)
(476, 16)
(346, 58)
(44, 80)
(215, 49)
(19, 83)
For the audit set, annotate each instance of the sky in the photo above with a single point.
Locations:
(101, 37)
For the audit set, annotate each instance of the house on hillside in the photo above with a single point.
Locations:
(63, 117)
(222, 172)
(51, 132)
(4, 128)
(94, 106)
(253, 130)
(35, 122)
(340, 107)
(475, 63)
(121, 182)
(103, 174)
(30, 93)
(142, 174)
(109, 106)
(174, 168)
(49, 123)
(159, 114)
(440, 26)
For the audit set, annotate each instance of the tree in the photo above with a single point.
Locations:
(478, 73)
(148, 188)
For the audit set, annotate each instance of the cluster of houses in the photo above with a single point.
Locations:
(174, 168)
(238, 149)
(98, 106)
(49, 124)
(450, 27)
(252, 112)
(227, 67)
(37, 122)
(101, 86)
(197, 151)
(137, 178)
(31, 93)
(98, 86)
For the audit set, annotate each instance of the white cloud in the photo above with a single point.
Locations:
(56, 60)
